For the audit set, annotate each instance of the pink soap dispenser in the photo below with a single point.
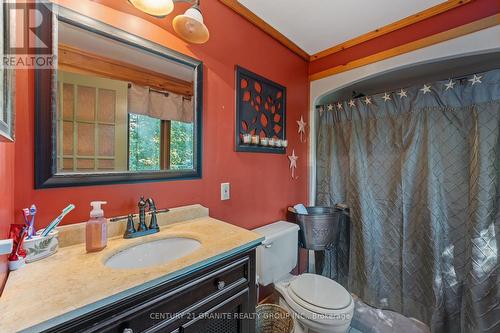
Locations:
(96, 231)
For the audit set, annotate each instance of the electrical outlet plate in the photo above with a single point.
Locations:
(225, 191)
(6, 246)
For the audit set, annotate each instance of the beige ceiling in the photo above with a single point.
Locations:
(315, 25)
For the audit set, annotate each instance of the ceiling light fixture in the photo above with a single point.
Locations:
(158, 8)
(189, 26)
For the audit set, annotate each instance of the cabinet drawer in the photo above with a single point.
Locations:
(226, 316)
(182, 303)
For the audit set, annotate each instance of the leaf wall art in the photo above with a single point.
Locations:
(260, 114)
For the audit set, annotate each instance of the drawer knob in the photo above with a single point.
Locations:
(128, 330)
(221, 285)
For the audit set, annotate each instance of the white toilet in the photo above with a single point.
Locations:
(318, 304)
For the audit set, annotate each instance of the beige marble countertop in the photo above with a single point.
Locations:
(72, 282)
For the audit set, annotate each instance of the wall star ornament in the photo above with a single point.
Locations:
(386, 97)
(476, 79)
(330, 107)
(302, 128)
(426, 89)
(450, 85)
(293, 163)
(402, 93)
(368, 100)
(352, 104)
(339, 106)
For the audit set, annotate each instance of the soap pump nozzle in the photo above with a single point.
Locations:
(97, 210)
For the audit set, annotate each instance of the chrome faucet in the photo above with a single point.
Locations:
(146, 207)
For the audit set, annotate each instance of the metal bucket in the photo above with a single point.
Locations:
(319, 229)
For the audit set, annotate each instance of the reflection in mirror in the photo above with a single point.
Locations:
(7, 74)
(121, 108)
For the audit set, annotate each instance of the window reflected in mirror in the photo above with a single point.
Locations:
(119, 108)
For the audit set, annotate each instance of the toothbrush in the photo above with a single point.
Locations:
(58, 220)
(31, 230)
(29, 220)
(26, 214)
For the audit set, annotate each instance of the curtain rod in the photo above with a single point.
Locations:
(164, 92)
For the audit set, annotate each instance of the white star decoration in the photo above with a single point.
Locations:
(450, 85)
(476, 79)
(293, 163)
(426, 89)
(402, 93)
(302, 128)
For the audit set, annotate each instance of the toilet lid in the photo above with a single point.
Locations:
(319, 292)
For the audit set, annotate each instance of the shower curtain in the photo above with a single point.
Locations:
(420, 170)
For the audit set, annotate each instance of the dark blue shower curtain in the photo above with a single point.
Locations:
(420, 170)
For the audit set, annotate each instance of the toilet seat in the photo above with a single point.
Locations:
(319, 294)
(316, 316)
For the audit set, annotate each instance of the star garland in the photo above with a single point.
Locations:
(402, 93)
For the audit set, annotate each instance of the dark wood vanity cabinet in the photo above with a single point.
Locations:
(219, 298)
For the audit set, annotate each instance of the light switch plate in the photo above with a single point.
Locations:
(6, 246)
(225, 191)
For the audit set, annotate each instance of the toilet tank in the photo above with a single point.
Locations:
(277, 255)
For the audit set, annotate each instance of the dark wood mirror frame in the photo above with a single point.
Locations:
(45, 107)
(7, 105)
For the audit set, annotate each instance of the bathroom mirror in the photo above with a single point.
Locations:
(7, 75)
(122, 109)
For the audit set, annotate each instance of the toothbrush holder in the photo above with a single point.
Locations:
(39, 247)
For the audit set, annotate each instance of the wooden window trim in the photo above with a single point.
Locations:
(165, 133)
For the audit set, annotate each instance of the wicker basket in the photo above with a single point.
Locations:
(273, 318)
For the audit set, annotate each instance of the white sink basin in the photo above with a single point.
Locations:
(153, 253)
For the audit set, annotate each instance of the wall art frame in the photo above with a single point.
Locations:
(260, 111)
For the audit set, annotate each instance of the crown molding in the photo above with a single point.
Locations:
(407, 21)
(267, 28)
(466, 29)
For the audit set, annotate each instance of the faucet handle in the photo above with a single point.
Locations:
(153, 224)
(130, 227)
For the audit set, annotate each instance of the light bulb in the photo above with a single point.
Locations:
(158, 8)
(190, 27)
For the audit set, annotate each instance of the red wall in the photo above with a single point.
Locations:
(467, 13)
(7, 176)
(6, 199)
(261, 186)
